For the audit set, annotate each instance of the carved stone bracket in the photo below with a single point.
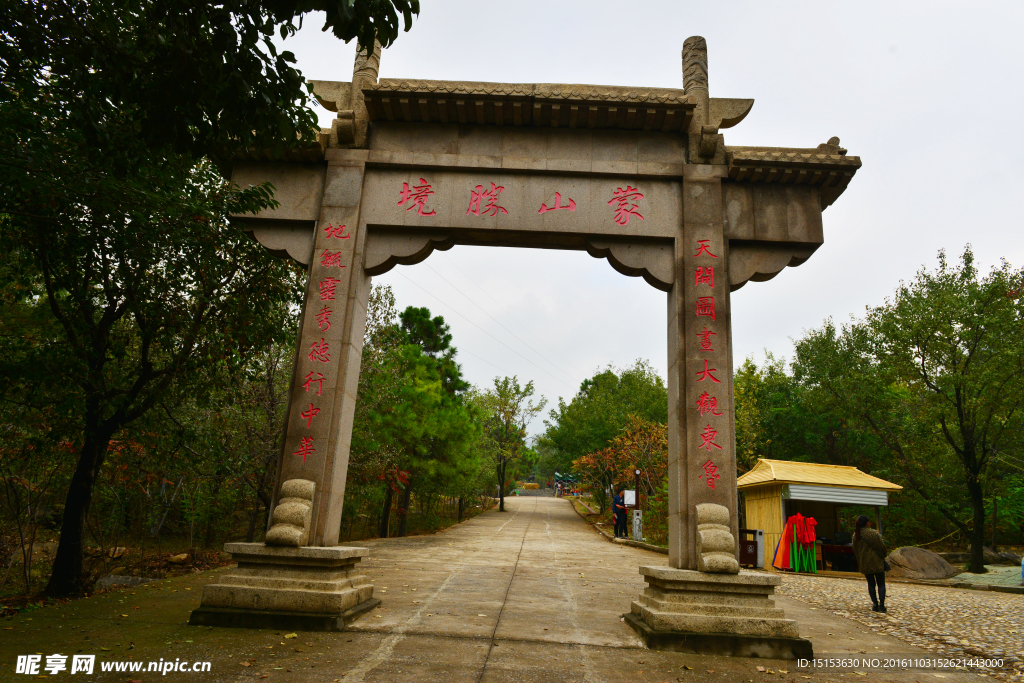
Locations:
(653, 261)
(762, 262)
(386, 249)
(285, 240)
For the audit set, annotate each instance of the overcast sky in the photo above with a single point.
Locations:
(928, 94)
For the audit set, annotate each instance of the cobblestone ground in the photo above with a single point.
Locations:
(948, 621)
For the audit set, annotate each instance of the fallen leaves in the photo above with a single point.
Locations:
(292, 635)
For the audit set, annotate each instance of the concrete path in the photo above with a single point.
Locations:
(531, 594)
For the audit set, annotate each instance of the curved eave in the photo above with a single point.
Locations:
(830, 172)
(774, 482)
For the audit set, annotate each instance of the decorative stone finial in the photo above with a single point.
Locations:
(695, 65)
(367, 66)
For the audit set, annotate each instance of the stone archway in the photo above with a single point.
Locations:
(640, 176)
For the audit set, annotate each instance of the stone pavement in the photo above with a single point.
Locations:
(949, 622)
(534, 594)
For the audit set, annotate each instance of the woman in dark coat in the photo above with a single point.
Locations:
(869, 549)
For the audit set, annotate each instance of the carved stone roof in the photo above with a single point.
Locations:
(529, 104)
(827, 167)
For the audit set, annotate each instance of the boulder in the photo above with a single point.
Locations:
(918, 563)
(179, 559)
(989, 557)
(1005, 558)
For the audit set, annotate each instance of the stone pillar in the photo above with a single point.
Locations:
(702, 448)
(297, 579)
(702, 602)
(326, 375)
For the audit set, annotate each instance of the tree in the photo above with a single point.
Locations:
(196, 78)
(508, 409)
(937, 375)
(601, 409)
(114, 219)
(640, 445)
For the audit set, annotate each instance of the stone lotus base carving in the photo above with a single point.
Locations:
(290, 521)
(310, 588)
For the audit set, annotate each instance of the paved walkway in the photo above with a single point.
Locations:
(949, 622)
(534, 594)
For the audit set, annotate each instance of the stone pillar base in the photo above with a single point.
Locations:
(725, 614)
(282, 587)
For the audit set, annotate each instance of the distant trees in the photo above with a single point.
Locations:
(415, 427)
(507, 409)
(936, 376)
(925, 391)
(600, 410)
(642, 445)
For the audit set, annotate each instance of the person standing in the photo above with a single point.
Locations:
(869, 549)
(619, 513)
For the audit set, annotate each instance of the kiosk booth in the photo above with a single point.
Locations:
(774, 490)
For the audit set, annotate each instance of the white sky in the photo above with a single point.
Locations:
(928, 94)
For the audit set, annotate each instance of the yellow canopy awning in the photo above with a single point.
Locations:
(788, 472)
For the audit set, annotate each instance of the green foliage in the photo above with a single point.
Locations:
(194, 78)
(926, 391)
(414, 429)
(640, 445)
(507, 410)
(600, 410)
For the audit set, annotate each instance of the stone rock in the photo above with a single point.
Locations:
(996, 558)
(918, 563)
(117, 553)
(989, 557)
(178, 559)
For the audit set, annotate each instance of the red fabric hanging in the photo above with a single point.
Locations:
(782, 558)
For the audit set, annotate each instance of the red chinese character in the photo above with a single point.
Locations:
(621, 201)
(702, 248)
(558, 205)
(305, 448)
(323, 318)
(331, 258)
(704, 276)
(336, 232)
(707, 404)
(707, 438)
(310, 414)
(319, 379)
(706, 373)
(479, 195)
(711, 470)
(418, 195)
(705, 339)
(706, 307)
(318, 351)
(327, 287)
